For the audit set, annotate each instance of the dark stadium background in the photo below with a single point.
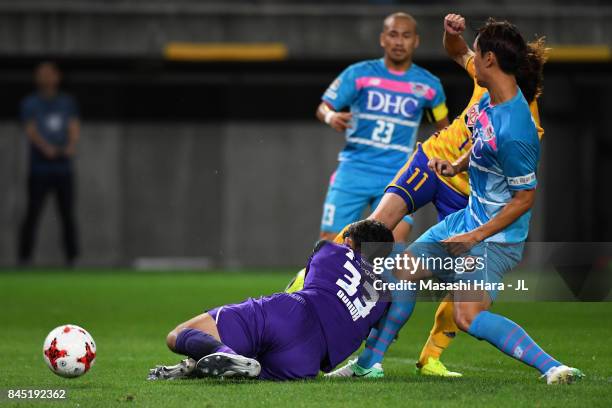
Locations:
(224, 160)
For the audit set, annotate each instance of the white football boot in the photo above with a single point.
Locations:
(352, 369)
(184, 369)
(563, 375)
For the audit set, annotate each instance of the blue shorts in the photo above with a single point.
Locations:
(496, 258)
(279, 331)
(418, 186)
(351, 190)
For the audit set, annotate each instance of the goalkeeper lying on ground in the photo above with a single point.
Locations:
(290, 336)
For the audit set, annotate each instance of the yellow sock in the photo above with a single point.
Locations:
(442, 333)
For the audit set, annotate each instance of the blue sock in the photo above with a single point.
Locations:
(382, 336)
(510, 338)
(197, 344)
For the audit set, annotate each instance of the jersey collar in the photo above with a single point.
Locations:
(394, 72)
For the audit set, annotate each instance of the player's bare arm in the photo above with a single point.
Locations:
(448, 169)
(454, 44)
(339, 121)
(74, 134)
(520, 203)
(37, 140)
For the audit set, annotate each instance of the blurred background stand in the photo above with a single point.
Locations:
(214, 152)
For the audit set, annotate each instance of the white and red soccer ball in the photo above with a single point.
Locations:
(69, 351)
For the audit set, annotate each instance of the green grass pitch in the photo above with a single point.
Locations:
(129, 314)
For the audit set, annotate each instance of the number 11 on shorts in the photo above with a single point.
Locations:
(416, 173)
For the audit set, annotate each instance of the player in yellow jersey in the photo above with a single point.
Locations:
(416, 184)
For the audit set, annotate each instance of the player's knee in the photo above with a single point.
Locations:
(390, 210)
(463, 318)
(173, 335)
(171, 340)
(462, 322)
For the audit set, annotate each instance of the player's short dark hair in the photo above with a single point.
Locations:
(530, 76)
(378, 237)
(505, 41)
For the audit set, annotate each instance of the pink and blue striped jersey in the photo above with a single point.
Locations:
(387, 108)
(504, 159)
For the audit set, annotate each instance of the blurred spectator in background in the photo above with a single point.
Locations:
(52, 127)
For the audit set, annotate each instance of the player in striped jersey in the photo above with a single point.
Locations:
(416, 184)
(387, 98)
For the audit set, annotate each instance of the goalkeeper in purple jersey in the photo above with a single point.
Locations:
(290, 336)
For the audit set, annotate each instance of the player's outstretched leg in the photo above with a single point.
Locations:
(198, 339)
(440, 337)
(380, 339)
(369, 363)
(514, 341)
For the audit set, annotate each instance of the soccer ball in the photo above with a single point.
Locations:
(69, 351)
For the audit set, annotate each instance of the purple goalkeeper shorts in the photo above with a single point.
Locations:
(280, 331)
